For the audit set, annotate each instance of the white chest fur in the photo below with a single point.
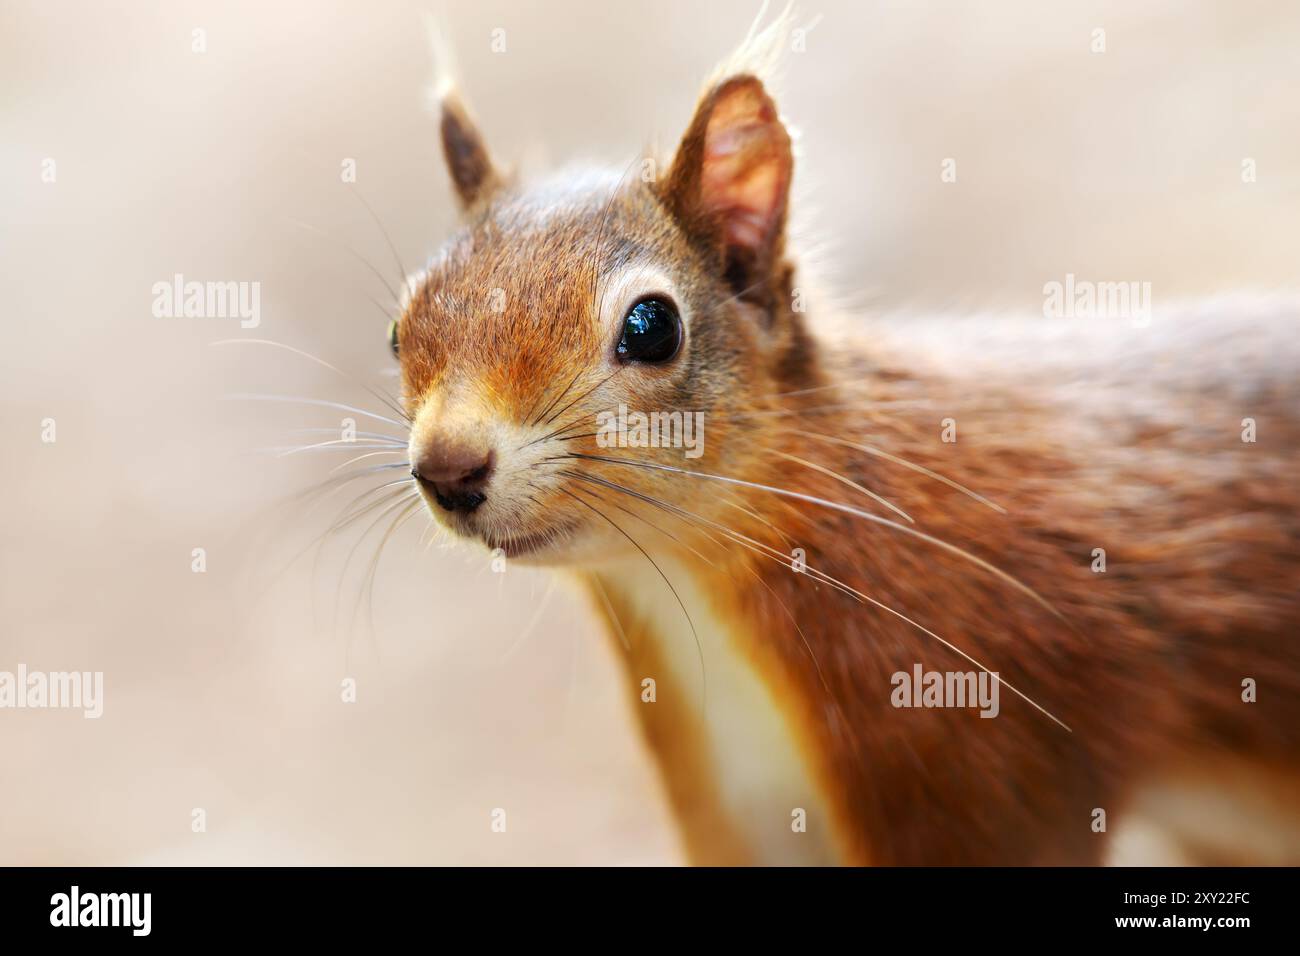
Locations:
(761, 778)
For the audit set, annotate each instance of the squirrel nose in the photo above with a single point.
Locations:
(456, 474)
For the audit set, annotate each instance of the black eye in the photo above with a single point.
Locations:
(392, 336)
(652, 332)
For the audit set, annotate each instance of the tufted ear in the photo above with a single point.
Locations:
(730, 181)
(472, 172)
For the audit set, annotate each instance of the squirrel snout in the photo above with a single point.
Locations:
(456, 474)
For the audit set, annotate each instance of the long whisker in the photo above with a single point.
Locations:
(319, 543)
(817, 388)
(838, 506)
(387, 313)
(351, 516)
(387, 400)
(613, 615)
(758, 577)
(402, 501)
(585, 394)
(332, 446)
(845, 386)
(654, 527)
(578, 422)
(336, 482)
(761, 520)
(820, 409)
(250, 397)
(402, 517)
(358, 256)
(821, 676)
(406, 280)
(373, 454)
(699, 648)
(600, 236)
(333, 528)
(847, 481)
(845, 588)
(532, 621)
(372, 436)
(557, 398)
(339, 482)
(920, 469)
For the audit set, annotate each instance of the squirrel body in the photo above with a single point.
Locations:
(873, 501)
(1198, 594)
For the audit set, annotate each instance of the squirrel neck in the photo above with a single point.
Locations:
(716, 624)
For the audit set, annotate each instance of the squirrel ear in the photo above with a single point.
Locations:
(730, 180)
(468, 162)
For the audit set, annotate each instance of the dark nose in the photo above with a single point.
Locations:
(456, 474)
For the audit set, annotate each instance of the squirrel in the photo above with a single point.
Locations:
(1090, 532)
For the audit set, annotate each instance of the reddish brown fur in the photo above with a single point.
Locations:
(1144, 662)
(1200, 592)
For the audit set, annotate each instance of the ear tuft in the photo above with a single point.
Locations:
(762, 53)
(472, 173)
(468, 162)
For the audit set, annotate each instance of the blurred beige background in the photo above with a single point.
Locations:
(222, 688)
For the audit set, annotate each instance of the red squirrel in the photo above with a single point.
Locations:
(1092, 546)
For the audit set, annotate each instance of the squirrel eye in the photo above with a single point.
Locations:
(652, 332)
(392, 336)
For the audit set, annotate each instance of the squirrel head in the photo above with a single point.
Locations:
(563, 310)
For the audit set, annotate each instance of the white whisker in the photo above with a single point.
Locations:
(838, 506)
(294, 399)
